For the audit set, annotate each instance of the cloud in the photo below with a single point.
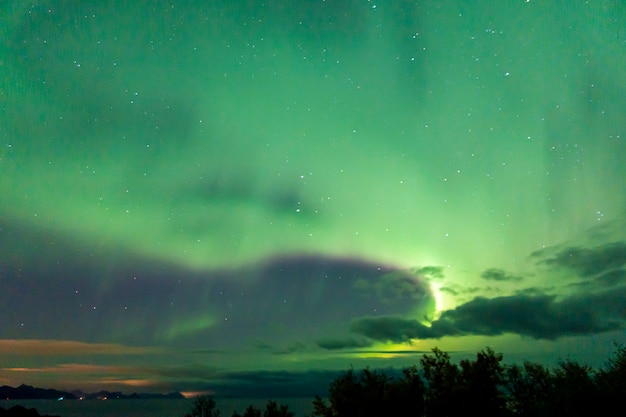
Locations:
(291, 348)
(36, 347)
(123, 376)
(540, 317)
(395, 287)
(449, 290)
(282, 299)
(535, 291)
(611, 278)
(537, 316)
(586, 262)
(391, 328)
(272, 384)
(345, 343)
(495, 274)
(75, 368)
(430, 272)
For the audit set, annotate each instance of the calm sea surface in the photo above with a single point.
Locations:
(149, 408)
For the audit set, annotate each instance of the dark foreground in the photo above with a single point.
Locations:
(19, 411)
(483, 386)
(433, 388)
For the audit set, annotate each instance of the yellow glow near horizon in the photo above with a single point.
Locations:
(193, 394)
(388, 350)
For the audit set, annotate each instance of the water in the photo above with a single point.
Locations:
(149, 408)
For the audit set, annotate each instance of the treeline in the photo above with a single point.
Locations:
(482, 386)
(205, 406)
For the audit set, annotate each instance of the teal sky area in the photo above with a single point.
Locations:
(199, 196)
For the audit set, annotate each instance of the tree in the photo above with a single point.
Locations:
(480, 384)
(611, 382)
(251, 411)
(442, 379)
(204, 406)
(574, 390)
(405, 397)
(344, 395)
(372, 394)
(320, 409)
(529, 389)
(347, 397)
(273, 409)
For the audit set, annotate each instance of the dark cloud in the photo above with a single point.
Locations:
(294, 347)
(449, 290)
(536, 316)
(610, 279)
(263, 346)
(272, 384)
(395, 329)
(495, 274)
(430, 272)
(534, 291)
(586, 262)
(396, 287)
(540, 317)
(344, 343)
(474, 290)
(282, 384)
(197, 372)
(132, 301)
(260, 384)
(456, 290)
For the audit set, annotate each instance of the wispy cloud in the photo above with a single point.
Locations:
(495, 274)
(344, 343)
(584, 261)
(45, 347)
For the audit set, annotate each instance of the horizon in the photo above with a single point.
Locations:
(215, 197)
(394, 374)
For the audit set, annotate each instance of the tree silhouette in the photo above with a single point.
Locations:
(251, 411)
(405, 397)
(272, 409)
(372, 394)
(480, 385)
(529, 389)
(611, 383)
(345, 397)
(204, 406)
(574, 390)
(442, 379)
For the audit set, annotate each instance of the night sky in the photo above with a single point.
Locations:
(220, 196)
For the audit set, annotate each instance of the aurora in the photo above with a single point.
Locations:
(213, 190)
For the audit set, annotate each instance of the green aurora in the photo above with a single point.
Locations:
(207, 188)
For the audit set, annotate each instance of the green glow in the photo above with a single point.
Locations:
(283, 155)
(197, 144)
(189, 326)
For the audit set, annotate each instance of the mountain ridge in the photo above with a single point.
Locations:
(28, 392)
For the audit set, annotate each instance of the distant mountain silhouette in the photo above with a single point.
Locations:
(27, 392)
(116, 395)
